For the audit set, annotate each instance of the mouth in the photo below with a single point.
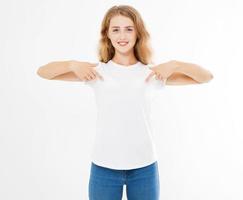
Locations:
(122, 43)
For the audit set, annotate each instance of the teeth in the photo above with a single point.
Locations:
(122, 43)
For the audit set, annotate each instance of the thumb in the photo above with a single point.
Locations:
(149, 76)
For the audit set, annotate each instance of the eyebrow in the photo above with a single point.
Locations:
(119, 26)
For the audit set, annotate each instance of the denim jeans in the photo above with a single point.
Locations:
(141, 183)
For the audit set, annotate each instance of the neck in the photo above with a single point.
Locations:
(125, 59)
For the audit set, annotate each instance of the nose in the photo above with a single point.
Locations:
(122, 35)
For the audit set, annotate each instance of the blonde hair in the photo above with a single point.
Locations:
(142, 48)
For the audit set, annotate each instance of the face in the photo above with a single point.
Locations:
(122, 29)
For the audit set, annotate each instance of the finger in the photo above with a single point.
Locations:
(99, 76)
(84, 79)
(93, 74)
(149, 76)
(160, 77)
(89, 77)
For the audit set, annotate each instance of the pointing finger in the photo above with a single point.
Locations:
(98, 75)
(149, 76)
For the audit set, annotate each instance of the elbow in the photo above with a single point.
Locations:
(40, 72)
(208, 78)
(211, 77)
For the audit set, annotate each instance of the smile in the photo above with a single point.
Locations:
(122, 43)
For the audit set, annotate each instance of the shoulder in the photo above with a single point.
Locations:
(98, 64)
(148, 67)
(151, 66)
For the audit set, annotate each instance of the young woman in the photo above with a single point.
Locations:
(123, 81)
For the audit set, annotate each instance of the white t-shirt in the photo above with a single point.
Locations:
(123, 137)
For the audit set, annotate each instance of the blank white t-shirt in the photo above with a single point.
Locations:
(123, 137)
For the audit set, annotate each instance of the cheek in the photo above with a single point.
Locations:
(133, 37)
(114, 39)
(133, 40)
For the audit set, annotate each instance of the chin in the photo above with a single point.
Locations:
(124, 50)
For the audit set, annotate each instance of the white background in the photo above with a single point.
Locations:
(47, 127)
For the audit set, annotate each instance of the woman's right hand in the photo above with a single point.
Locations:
(84, 70)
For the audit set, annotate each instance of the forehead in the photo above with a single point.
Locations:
(121, 21)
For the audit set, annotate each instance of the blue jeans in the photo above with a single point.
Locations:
(141, 183)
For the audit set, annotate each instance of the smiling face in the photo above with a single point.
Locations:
(122, 33)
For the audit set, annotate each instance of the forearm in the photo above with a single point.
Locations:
(54, 69)
(194, 71)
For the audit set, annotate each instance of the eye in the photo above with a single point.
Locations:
(129, 29)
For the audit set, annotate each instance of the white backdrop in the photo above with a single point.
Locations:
(47, 127)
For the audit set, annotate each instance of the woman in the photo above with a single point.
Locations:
(124, 152)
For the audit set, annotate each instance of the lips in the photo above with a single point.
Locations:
(123, 43)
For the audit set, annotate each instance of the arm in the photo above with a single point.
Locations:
(179, 79)
(61, 70)
(191, 71)
(54, 69)
(181, 73)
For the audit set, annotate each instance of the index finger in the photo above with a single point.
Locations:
(149, 76)
(98, 74)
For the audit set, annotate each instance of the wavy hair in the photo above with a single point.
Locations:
(142, 48)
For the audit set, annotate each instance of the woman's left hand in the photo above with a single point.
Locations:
(162, 71)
